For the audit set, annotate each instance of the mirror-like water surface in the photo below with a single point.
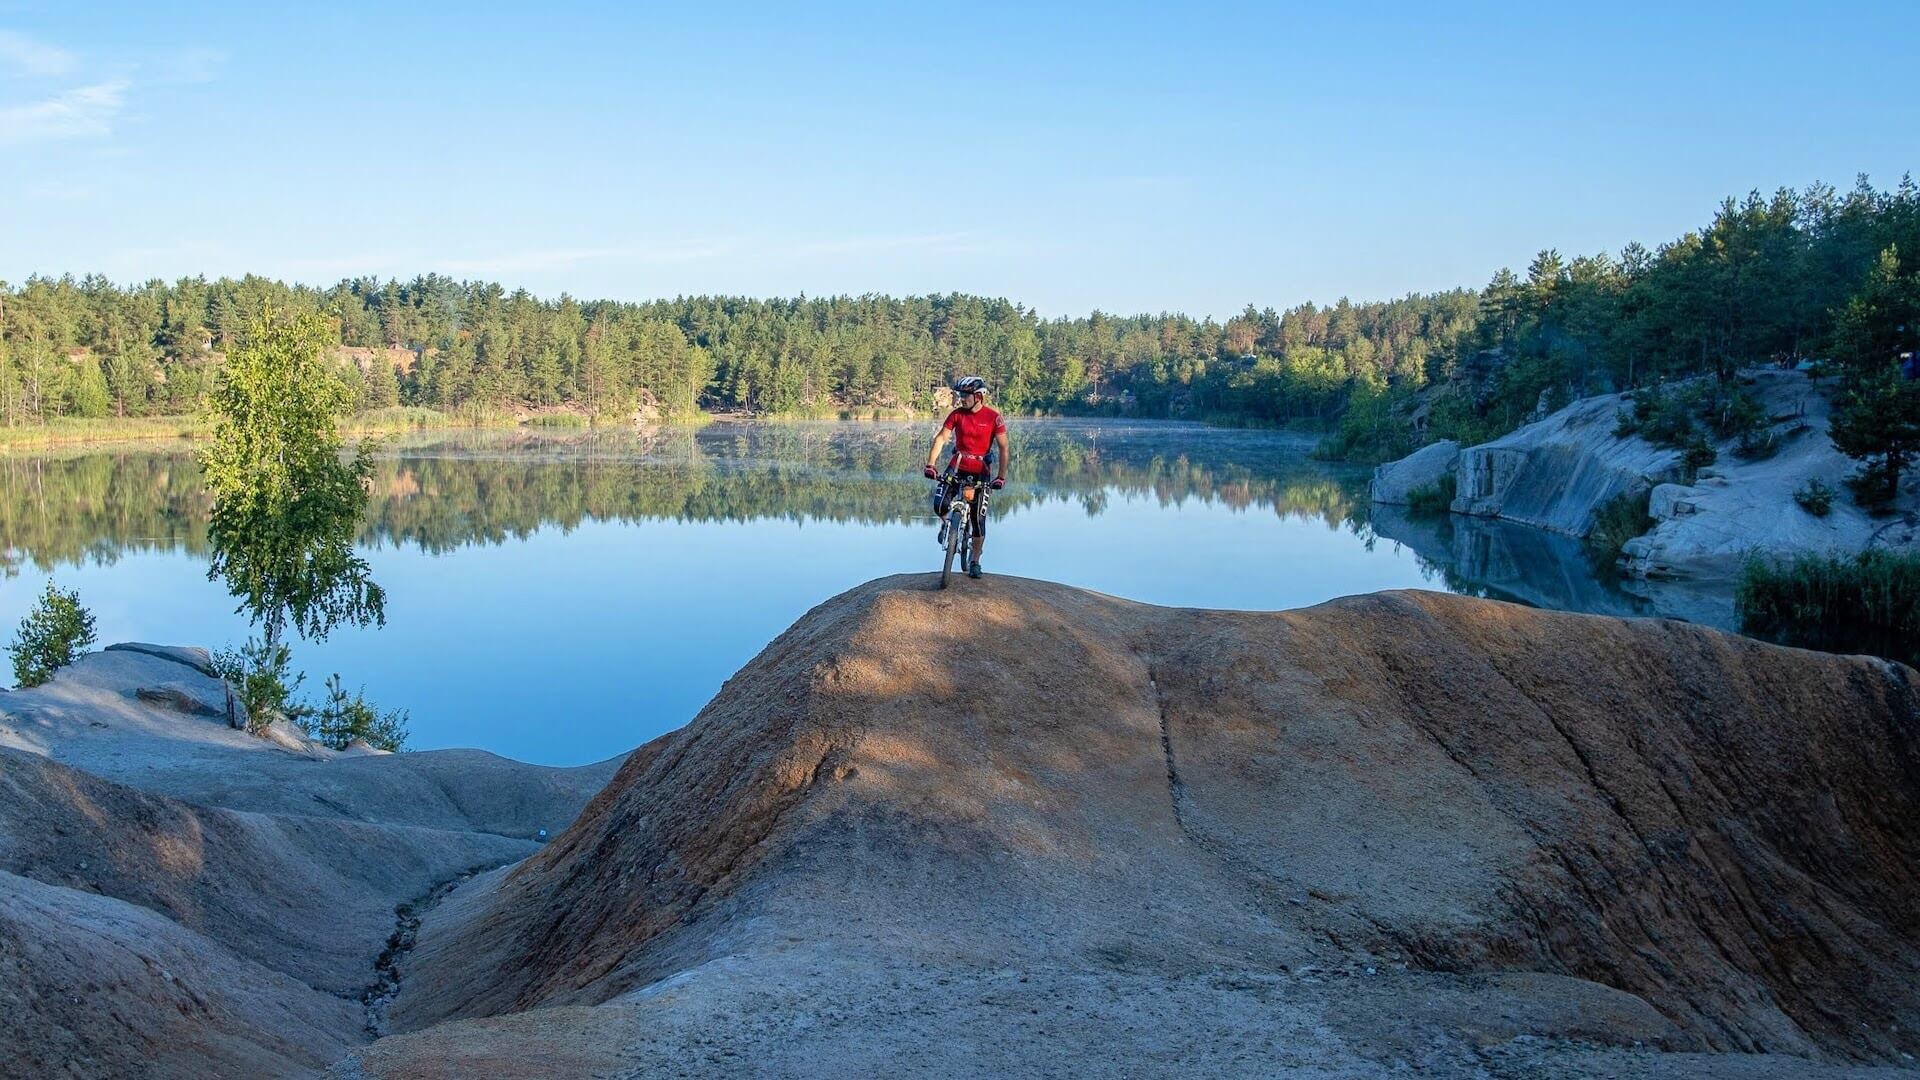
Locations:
(563, 598)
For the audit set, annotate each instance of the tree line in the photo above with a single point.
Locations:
(1767, 278)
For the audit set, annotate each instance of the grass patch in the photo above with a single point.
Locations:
(1869, 603)
(395, 418)
(565, 420)
(1434, 499)
(1617, 521)
(73, 431)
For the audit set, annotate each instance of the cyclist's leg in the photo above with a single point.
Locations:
(980, 518)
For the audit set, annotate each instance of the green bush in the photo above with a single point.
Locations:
(1682, 419)
(1868, 603)
(1434, 499)
(1872, 491)
(1815, 497)
(50, 637)
(1372, 429)
(1617, 521)
(1662, 417)
(263, 678)
(342, 718)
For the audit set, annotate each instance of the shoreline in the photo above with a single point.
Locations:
(72, 433)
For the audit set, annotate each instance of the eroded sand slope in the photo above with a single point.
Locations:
(1021, 828)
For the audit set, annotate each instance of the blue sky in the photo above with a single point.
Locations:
(1125, 157)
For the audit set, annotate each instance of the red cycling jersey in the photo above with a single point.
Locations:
(973, 433)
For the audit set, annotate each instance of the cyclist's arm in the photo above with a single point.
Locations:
(1000, 441)
(939, 440)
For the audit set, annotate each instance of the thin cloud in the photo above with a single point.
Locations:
(81, 113)
(22, 55)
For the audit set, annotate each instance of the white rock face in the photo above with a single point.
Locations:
(1555, 473)
(1705, 530)
(1395, 481)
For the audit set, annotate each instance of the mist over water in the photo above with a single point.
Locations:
(562, 598)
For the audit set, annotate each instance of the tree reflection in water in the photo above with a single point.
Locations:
(439, 492)
(443, 491)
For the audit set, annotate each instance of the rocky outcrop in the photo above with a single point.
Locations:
(91, 717)
(1555, 473)
(312, 897)
(1739, 508)
(180, 899)
(1064, 831)
(1394, 482)
(91, 986)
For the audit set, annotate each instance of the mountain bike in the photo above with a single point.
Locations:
(966, 504)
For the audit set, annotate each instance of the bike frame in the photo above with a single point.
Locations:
(961, 510)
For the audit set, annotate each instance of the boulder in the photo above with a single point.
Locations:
(191, 655)
(195, 699)
(1395, 481)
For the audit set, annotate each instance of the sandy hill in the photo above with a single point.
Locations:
(178, 898)
(1016, 828)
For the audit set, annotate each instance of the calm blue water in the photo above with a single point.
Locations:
(561, 599)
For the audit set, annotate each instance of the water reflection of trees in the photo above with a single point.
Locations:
(446, 491)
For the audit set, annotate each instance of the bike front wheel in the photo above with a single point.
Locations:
(953, 548)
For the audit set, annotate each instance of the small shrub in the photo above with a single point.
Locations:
(1868, 603)
(1434, 499)
(1815, 497)
(1735, 413)
(50, 637)
(1617, 521)
(1624, 425)
(1870, 489)
(1758, 445)
(263, 678)
(1699, 455)
(342, 718)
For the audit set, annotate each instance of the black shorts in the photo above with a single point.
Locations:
(961, 480)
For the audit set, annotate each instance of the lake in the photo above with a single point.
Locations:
(561, 598)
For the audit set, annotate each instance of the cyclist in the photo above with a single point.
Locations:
(979, 443)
